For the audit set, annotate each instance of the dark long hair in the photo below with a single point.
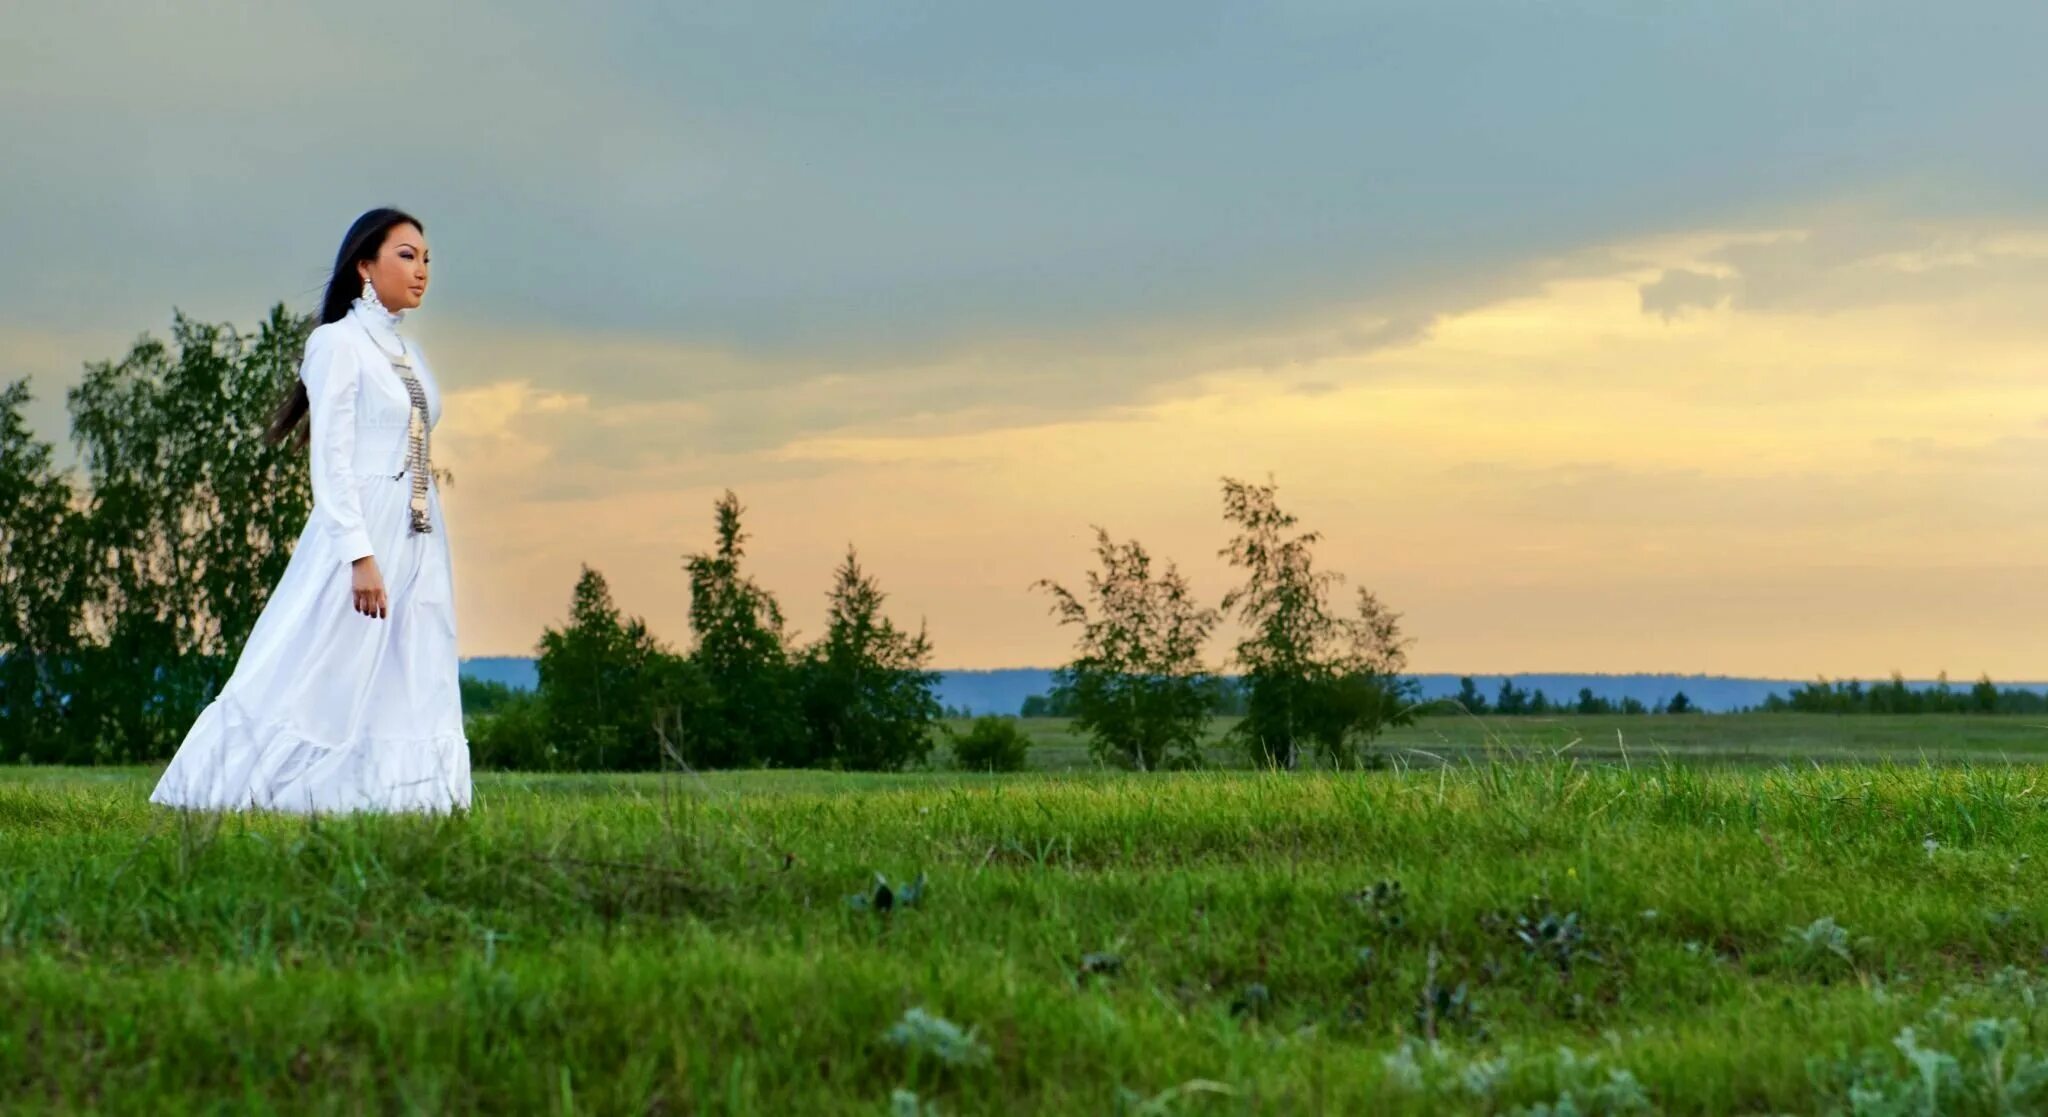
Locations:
(364, 240)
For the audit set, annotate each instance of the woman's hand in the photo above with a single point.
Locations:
(369, 588)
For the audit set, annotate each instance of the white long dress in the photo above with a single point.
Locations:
(329, 710)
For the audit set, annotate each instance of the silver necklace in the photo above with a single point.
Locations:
(415, 429)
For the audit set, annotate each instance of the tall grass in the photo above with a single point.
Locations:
(1514, 928)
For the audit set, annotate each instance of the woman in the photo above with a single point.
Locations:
(345, 697)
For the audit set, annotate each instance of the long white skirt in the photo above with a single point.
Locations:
(332, 711)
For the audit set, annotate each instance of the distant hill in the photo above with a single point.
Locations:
(516, 671)
(1003, 690)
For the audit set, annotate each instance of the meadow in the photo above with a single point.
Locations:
(1846, 915)
(1748, 739)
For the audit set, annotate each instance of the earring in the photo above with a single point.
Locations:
(369, 290)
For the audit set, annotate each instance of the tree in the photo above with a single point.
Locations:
(1311, 679)
(190, 521)
(1360, 691)
(1284, 607)
(868, 698)
(1226, 696)
(608, 686)
(1137, 683)
(742, 657)
(1469, 696)
(42, 594)
(486, 696)
(1512, 699)
(1680, 704)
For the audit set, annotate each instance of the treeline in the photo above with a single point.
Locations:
(1227, 697)
(1313, 682)
(1897, 697)
(613, 696)
(1514, 701)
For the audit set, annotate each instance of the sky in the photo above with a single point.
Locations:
(1590, 336)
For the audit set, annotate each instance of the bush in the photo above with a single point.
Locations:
(991, 744)
(485, 696)
(516, 735)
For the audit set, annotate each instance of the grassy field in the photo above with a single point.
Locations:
(1551, 931)
(1694, 738)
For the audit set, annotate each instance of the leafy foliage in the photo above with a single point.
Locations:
(487, 696)
(1314, 679)
(1896, 696)
(868, 698)
(128, 601)
(42, 593)
(1136, 683)
(749, 714)
(609, 687)
(992, 744)
(514, 734)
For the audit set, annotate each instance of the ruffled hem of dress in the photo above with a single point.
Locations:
(231, 761)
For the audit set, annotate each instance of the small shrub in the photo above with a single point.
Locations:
(1547, 937)
(991, 744)
(922, 1033)
(1821, 947)
(516, 736)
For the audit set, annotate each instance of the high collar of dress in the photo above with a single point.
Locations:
(382, 323)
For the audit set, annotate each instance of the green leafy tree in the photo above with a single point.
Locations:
(1055, 703)
(1311, 679)
(1942, 697)
(1137, 683)
(1984, 695)
(868, 695)
(750, 715)
(191, 520)
(1361, 692)
(1680, 704)
(486, 696)
(42, 594)
(1284, 608)
(607, 685)
(1469, 696)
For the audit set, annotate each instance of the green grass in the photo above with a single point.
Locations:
(671, 944)
(1695, 738)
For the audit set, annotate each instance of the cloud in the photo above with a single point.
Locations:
(1682, 289)
(902, 185)
(954, 282)
(1855, 258)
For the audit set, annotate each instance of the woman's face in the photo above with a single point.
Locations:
(400, 270)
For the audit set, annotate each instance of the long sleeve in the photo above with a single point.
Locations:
(331, 372)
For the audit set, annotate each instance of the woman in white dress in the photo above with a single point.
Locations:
(346, 696)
